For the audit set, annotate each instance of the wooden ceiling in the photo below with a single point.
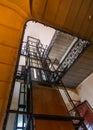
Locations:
(72, 16)
(13, 15)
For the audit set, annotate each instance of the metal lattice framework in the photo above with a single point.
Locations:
(73, 54)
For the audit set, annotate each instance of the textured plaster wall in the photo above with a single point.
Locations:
(85, 90)
(73, 94)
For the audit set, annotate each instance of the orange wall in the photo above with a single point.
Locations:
(13, 16)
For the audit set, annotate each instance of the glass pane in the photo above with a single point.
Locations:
(21, 98)
(22, 60)
(15, 122)
(34, 61)
(11, 122)
(21, 109)
(35, 64)
(35, 74)
(15, 98)
(22, 88)
(20, 121)
(43, 75)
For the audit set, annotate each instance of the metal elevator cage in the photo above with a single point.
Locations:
(35, 70)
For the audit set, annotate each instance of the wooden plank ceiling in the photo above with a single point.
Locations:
(13, 15)
(72, 16)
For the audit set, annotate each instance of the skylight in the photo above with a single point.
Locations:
(39, 31)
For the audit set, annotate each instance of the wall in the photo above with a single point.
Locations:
(85, 90)
(73, 94)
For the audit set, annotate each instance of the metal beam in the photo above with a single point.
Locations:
(71, 57)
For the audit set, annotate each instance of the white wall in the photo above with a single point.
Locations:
(85, 90)
(39, 31)
(73, 95)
